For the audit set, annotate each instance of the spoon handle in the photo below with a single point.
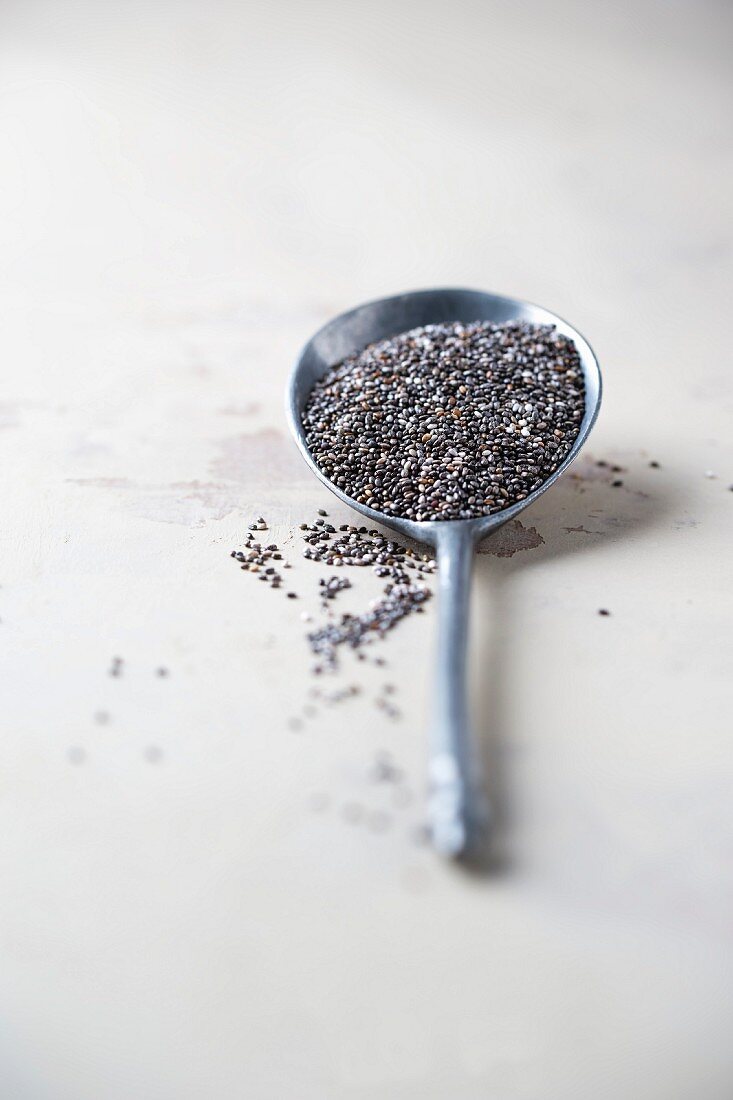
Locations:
(457, 806)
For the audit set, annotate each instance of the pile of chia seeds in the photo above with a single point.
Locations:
(448, 421)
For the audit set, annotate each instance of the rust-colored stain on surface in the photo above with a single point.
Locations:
(244, 466)
(266, 457)
(510, 539)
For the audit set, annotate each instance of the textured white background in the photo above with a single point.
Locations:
(187, 190)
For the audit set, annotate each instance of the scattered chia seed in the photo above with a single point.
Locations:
(384, 770)
(116, 666)
(604, 611)
(322, 512)
(382, 704)
(332, 697)
(616, 484)
(401, 597)
(449, 421)
(356, 547)
(654, 465)
(331, 586)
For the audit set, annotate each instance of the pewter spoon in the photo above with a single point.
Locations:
(458, 810)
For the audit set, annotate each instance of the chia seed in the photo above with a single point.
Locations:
(449, 421)
(401, 597)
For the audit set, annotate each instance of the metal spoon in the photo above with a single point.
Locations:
(458, 808)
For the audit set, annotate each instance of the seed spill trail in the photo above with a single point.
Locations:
(403, 593)
(390, 560)
(401, 598)
(449, 421)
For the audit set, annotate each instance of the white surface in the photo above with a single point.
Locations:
(188, 190)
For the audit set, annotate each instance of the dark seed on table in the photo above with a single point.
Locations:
(322, 512)
(654, 465)
(604, 611)
(617, 484)
(292, 596)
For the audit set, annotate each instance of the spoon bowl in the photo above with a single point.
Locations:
(458, 811)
